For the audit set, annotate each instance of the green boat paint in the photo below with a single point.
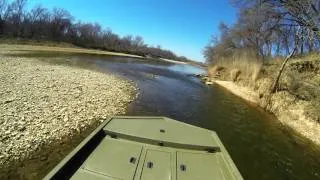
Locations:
(148, 148)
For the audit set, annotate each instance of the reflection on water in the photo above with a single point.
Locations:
(185, 68)
(260, 146)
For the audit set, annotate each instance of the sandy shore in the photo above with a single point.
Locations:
(23, 48)
(173, 61)
(43, 106)
(288, 111)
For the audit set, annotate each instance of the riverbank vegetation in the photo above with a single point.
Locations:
(274, 51)
(58, 25)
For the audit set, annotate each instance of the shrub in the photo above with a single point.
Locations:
(215, 70)
(234, 74)
(245, 61)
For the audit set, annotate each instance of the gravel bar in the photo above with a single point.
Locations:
(42, 104)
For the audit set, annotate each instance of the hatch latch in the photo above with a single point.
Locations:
(183, 167)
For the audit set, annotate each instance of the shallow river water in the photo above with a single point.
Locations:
(260, 146)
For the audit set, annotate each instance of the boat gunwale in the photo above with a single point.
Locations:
(76, 151)
(170, 144)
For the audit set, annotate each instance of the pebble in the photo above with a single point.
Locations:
(44, 103)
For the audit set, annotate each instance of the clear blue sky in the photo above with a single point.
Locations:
(183, 26)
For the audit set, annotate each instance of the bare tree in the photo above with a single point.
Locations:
(275, 84)
(61, 21)
(58, 25)
(35, 22)
(15, 13)
(3, 14)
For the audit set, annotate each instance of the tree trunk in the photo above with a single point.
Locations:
(302, 42)
(302, 48)
(275, 84)
(269, 49)
(278, 47)
(311, 42)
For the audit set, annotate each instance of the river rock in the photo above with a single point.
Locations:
(45, 103)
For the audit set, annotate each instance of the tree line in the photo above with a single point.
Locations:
(269, 28)
(59, 25)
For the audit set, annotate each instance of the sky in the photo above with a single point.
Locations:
(182, 26)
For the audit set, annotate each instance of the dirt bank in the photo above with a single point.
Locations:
(296, 103)
(46, 109)
(241, 91)
(291, 114)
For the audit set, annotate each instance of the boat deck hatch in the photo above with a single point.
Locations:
(157, 165)
(163, 132)
(201, 166)
(112, 159)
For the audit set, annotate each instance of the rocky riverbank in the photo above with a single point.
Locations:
(295, 104)
(46, 109)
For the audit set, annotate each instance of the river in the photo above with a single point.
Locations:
(260, 146)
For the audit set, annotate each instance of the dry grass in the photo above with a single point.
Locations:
(310, 57)
(314, 56)
(244, 61)
(214, 70)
